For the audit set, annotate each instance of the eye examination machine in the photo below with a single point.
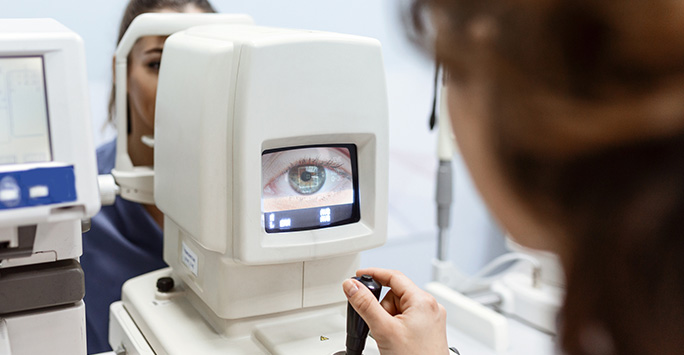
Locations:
(48, 185)
(270, 166)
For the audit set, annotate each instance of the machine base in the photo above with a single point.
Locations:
(171, 325)
(57, 330)
(479, 322)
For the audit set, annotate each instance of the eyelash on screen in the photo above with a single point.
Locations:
(329, 164)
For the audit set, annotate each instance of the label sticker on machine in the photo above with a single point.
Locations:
(189, 259)
(309, 187)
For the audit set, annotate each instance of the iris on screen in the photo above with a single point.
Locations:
(307, 179)
(309, 187)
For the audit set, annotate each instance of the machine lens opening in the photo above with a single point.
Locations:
(309, 187)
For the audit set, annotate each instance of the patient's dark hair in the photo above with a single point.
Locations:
(138, 7)
(586, 103)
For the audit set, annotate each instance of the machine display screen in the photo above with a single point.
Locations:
(309, 187)
(24, 129)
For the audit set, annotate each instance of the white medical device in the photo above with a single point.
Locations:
(271, 167)
(47, 186)
(136, 183)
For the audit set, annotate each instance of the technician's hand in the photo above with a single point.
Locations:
(407, 321)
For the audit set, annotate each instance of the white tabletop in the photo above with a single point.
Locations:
(524, 340)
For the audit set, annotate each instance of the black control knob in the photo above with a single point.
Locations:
(165, 284)
(357, 329)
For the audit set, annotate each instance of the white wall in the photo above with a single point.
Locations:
(412, 162)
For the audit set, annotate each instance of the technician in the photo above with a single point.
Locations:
(570, 116)
(126, 238)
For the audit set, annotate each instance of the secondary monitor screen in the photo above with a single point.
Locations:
(24, 131)
(309, 187)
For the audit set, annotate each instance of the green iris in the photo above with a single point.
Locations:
(306, 179)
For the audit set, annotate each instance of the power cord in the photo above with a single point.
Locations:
(480, 278)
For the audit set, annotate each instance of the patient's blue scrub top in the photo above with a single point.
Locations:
(124, 241)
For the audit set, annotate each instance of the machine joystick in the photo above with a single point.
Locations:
(357, 329)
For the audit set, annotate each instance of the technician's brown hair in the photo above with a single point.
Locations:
(138, 7)
(586, 104)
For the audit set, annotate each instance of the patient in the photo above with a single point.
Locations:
(570, 117)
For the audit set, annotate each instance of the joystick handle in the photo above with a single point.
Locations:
(357, 329)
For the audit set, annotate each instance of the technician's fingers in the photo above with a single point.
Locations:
(366, 305)
(396, 280)
(391, 303)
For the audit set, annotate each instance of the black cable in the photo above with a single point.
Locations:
(433, 115)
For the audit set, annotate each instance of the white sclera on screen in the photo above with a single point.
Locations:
(303, 178)
(24, 131)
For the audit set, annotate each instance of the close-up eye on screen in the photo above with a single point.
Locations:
(309, 187)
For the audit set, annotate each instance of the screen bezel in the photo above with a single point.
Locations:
(356, 205)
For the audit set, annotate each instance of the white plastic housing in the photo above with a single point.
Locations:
(68, 112)
(226, 94)
(479, 322)
(552, 271)
(55, 331)
(137, 182)
(150, 322)
(538, 306)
